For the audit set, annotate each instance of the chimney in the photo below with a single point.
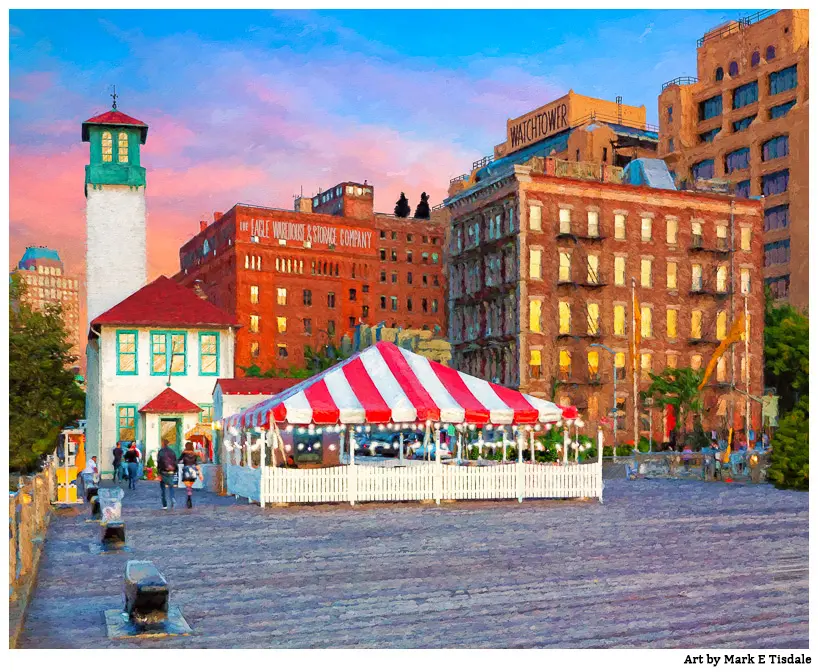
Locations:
(202, 225)
(217, 216)
(197, 287)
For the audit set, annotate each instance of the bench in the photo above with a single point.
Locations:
(146, 593)
(90, 491)
(96, 511)
(113, 534)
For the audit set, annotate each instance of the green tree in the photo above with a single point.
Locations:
(678, 388)
(789, 461)
(43, 394)
(786, 353)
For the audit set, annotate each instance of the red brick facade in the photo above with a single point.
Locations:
(308, 276)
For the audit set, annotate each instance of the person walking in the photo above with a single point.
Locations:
(190, 470)
(132, 462)
(166, 464)
(117, 461)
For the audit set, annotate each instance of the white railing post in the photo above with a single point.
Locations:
(400, 441)
(600, 447)
(352, 474)
(504, 444)
(341, 437)
(520, 474)
(438, 469)
(262, 459)
(247, 460)
(566, 445)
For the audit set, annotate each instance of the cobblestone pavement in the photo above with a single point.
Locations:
(661, 564)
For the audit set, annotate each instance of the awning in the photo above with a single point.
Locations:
(385, 383)
(170, 401)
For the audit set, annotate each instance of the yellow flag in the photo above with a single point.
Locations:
(735, 334)
(637, 334)
(726, 457)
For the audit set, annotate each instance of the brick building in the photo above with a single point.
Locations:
(573, 128)
(745, 119)
(308, 276)
(540, 268)
(43, 272)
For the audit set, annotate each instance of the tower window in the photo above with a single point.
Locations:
(107, 147)
(123, 147)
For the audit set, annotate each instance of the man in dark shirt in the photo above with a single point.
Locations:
(117, 461)
(166, 464)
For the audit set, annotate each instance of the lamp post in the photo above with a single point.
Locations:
(615, 410)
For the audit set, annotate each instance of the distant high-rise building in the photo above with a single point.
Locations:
(43, 272)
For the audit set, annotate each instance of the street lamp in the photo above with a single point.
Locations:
(615, 409)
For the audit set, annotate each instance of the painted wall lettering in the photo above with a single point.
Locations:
(316, 234)
(538, 126)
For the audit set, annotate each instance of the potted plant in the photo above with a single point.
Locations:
(150, 469)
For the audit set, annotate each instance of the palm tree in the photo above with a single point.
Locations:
(678, 388)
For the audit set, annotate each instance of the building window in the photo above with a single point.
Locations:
(743, 189)
(107, 147)
(383, 302)
(732, 69)
(710, 135)
(565, 220)
(592, 311)
(721, 278)
(351, 322)
(783, 80)
(696, 324)
(593, 269)
(704, 170)
(565, 364)
(755, 59)
(721, 237)
(695, 362)
(408, 256)
(409, 238)
(353, 293)
(383, 275)
(671, 275)
(394, 302)
(535, 363)
(721, 325)
(777, 218)
(710, 108)
(535, 315)
(719, 74)
(425, 257)
(282, 350)
(254, 349)
(254, 324)
(281, 296)
(770, 53)
(647, 322)
(382, 253)
(619, 320)
(435, 281)
(744, 95)
(593, 224)
(330, 299)
(778, 111)
(435, 257)
(253, 294)
(619, 365)
(721, 369)
(122, 148)
(742, 124)
(394, 277)
(775, 183)
(593, 364)
(434, 305)
(646, 272)
(672, 231)
(670, 114)
(696, 278)
(619, 271)
(619, 227)
(365, 311)
(746, 238)
(565, 267)
(777, 253)
(126, 353)
(535, 218)
(307, 326)
(534, 264)
(670, 147)
(565, 317)
(646, 365)
(307, 297)
(745, 281)
(409, 304)
(331, 327)
(126, 422)
(282, 325)
(647, 229)
(775, 148)
(208, 354)
(206, 415)
(779, 286)
(168, 345)
(394, 235)
(672, 361)
(738, 160)
(672, 317)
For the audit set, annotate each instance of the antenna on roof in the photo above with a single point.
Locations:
(114, 96)
(619, 108)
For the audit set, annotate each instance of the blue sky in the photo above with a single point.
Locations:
(251, 105)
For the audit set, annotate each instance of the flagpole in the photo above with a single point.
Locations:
(747, 373)
(633, 366)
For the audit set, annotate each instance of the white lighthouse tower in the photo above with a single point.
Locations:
(116, 254)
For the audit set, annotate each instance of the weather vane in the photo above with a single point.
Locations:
(113, 95)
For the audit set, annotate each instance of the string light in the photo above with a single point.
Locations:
(289, 428)
(332, 446)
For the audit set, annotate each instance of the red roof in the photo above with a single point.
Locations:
(113, 118)
(165, 303)
(170, 401)
(267, 386)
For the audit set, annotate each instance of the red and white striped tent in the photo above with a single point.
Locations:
(387, 384)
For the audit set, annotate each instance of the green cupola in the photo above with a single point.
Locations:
(115, 141)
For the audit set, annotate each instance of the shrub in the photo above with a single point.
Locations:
(789, 461)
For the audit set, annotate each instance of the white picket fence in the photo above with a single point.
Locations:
(415, 482)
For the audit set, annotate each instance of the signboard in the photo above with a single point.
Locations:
(537, 125)
(301, 232)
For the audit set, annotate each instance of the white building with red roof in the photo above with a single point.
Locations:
(153, 360)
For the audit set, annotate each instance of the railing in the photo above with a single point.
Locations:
(735, 26)
(459, 178)
(680, 81)
(486, 160)
(604, 118)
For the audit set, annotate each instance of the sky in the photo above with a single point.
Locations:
(254, 106)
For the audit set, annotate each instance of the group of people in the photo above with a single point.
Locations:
(127, 462)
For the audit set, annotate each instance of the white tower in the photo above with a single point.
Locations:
(116, 254)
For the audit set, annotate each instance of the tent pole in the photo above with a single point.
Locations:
(262, 458)
(504, 444)
(520, 474)
(341, 436)
(400, 441)
(566, 446)
(438, 481)
(531, 442)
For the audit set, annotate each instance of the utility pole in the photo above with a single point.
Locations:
(747, 372)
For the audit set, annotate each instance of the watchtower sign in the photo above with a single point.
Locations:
(537, 125)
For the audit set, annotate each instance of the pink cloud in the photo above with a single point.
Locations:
(31, 85)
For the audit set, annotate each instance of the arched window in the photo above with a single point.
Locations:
(107, 147)
(719, 74)
(733, 69)
(123, 147)
(755, 59)
(770, 53)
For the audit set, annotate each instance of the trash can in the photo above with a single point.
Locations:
(110, 501)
